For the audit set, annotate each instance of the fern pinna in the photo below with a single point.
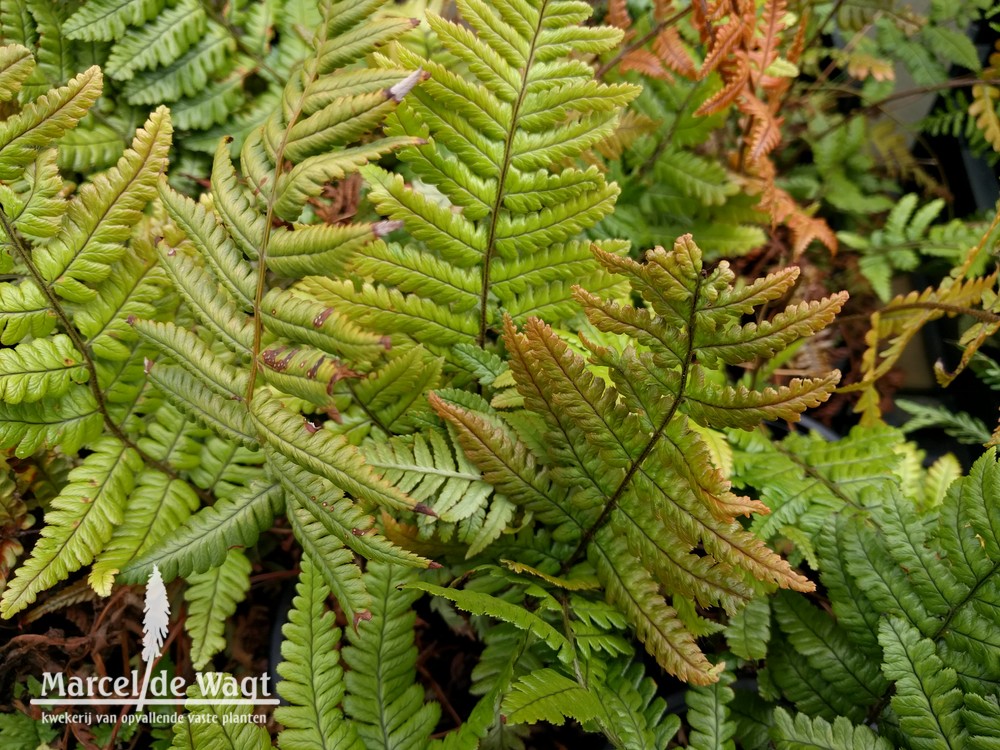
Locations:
(220, 69)
(910, 561)
(497, 227)
(618, 469)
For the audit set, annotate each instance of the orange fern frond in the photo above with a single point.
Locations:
(735, 73)
(672, 52)
(645, 62)
(765, 127)
(618, 14)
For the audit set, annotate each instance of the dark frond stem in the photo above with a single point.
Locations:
(24, 253)
(616, 496)
(508, 145)
(279, 157)
(641, 41)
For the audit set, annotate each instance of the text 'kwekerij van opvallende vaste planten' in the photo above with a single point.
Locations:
(520, 374)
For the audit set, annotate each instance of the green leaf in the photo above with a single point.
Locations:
(547, 695)
(44, 120)
(749, 630)
(479, 603)
(40, 368)
(384, 701)
(803, 732)
(708, 715)
(927, 699)
(203, 541)
(312, 680)
(211, 599)
(80, 521)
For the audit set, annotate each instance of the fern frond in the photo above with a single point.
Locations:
(708, 715)
(334, 561)
(157, 506)
(232, 522)
(44, 120)
(828, 652)
(80, 522)
(218, 725)
(800, 731)
(16, 64)
(479, 603)
(598, 438)
(327, 455)
(39, 368)
(69, 422)
(211, 599)
(960, 425)
(547, 695)
(927, 700)
(312, 679)
(104, 20)
(384, 702)
(487, 147)
(749, 630)
(100, 219)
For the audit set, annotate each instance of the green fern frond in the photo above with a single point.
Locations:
(104, 20)
(334, 561)
(156, 507)
(708, 715)
(44, 120)
(800, 731)
(927, 699)
(312, 678)
(16, 64)
(805, 479)
(962, 426)
(68, 422)
(203, 541)
(40, 368)
(211, 599)
(487, 147)
(80, 522)
(100, 220)
(829, 653)
(479, 603)
(384, 702)
(547, 695)
(749, 630)
(218, 725)
(632, 715)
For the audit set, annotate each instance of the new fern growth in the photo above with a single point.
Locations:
(616, 468)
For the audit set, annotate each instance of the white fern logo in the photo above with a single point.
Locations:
(155, 623)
